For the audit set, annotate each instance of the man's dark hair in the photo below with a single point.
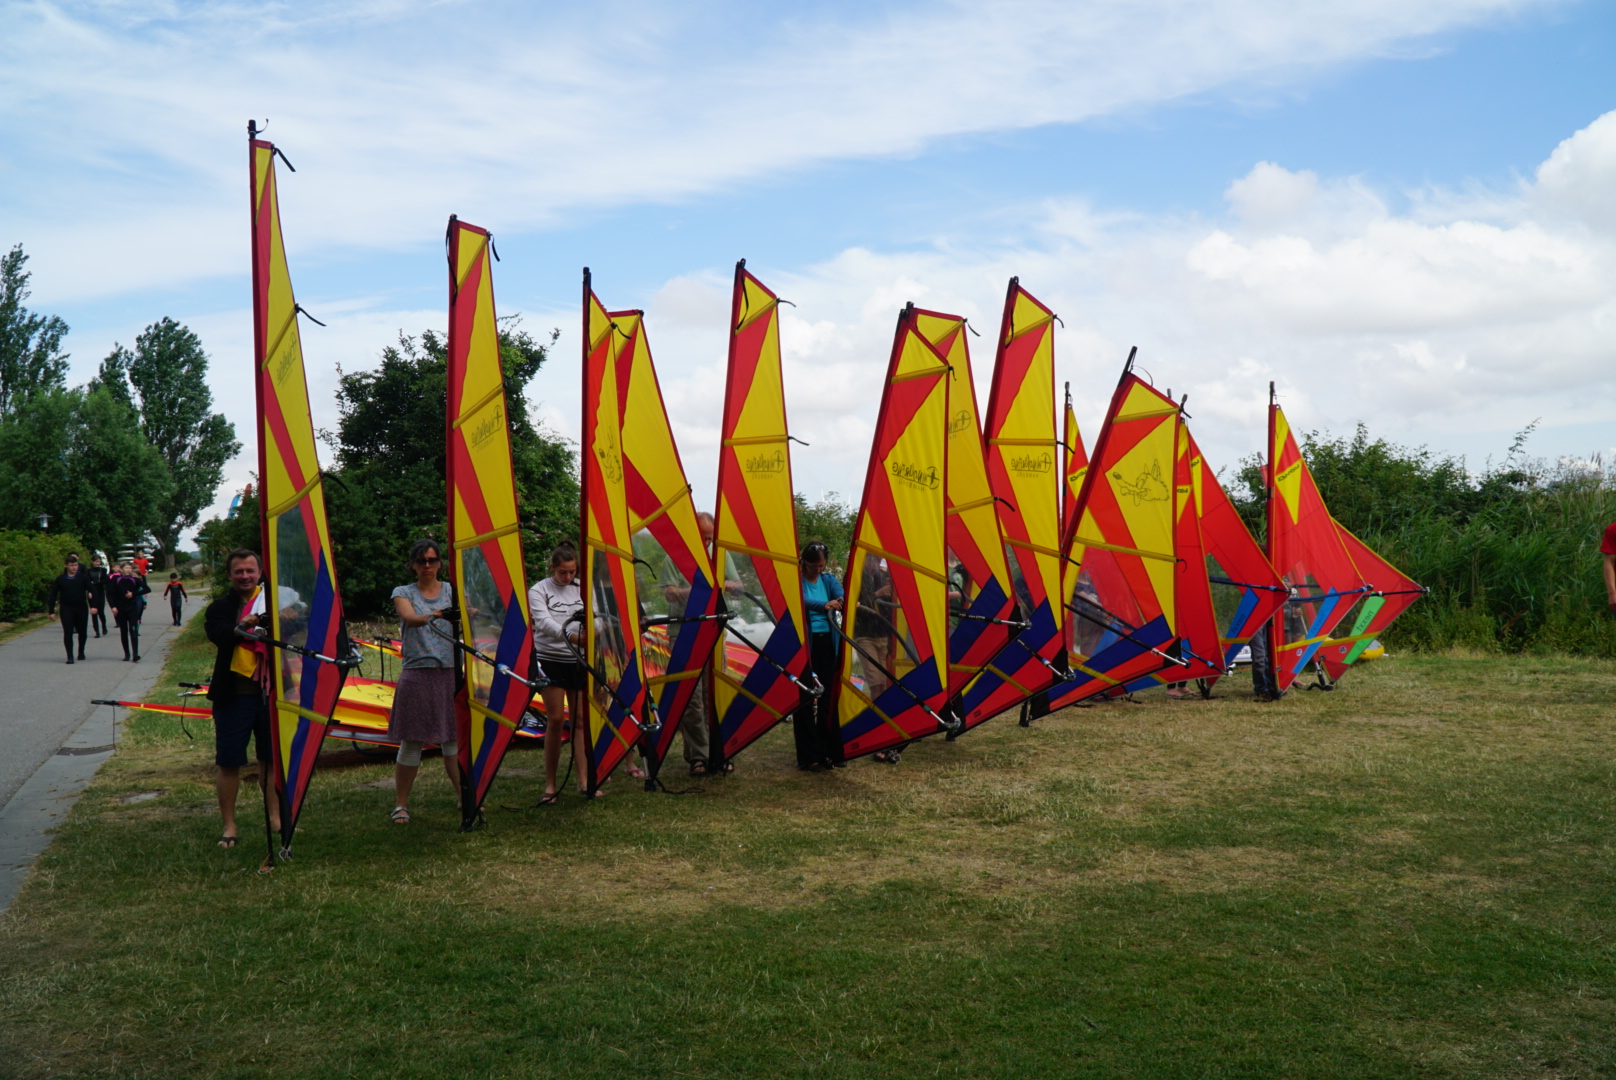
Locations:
(242, 553)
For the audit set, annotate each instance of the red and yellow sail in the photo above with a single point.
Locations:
(980, 606)
(485, 539)
(300, 579)
(1021, 461)
(1306, 548)
(674, 568)
(1122, 548)
(756, 528)
(893, 681)
(1074, 465)
(617, 692)
(1392, 593)
(1245, 589)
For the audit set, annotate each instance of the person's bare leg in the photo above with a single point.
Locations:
(451, 765)
(272, 805)
(227, 784)
(580, 741)
(403, 781)
(554, 725)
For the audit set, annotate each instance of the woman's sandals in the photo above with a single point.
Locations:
(401, 816)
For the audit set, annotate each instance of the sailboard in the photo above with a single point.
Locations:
(1392, 592)
(1019, 431)
(1307, 550)
(1122, 549)
(485, 537)
(893, 679)
(758, 684)
(980, 604)
(1246, 591)
(677, 601)
(611, 612)
(310, 642)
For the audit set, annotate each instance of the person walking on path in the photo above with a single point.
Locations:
(553, 602)
(423, 704)
(72, 589)
(175, 592)
(239, 688)
(822, 597)
(127, 594)
(98, 596)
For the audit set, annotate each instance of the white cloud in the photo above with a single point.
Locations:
(127, 118)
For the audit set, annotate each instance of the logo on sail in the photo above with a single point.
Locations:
(1032, 464)
(959, 422)
(765, 463)
(924, 477)
(1149, 487)
(611, 462)
(487, 429)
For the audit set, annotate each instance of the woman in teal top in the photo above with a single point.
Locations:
(821, 596)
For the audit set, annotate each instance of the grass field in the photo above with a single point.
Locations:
(1411, 876)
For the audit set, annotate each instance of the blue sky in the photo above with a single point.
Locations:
(1400, 212)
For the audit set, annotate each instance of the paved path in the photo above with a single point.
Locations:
(45, 713)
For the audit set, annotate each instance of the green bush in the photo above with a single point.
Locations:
(29, 561)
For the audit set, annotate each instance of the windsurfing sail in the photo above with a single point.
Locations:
(1307, 549)
(677, 600)
(1122, 549)
(485, 538)
(1195, 617)
(1021, 459)
(1392, 593)
(310, 650)
(1074, 465)
(756, 528)
(893, 679)
(1246, 591)
(611, 612)
(980, 606)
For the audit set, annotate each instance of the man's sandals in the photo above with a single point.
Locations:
(228, 842)
(401, 816)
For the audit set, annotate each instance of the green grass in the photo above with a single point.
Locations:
(1411, 876)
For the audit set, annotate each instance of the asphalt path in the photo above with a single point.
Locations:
(43, 699)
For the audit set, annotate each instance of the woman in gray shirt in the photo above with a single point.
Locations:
(423, 703)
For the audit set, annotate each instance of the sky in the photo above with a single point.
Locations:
(1401, 213)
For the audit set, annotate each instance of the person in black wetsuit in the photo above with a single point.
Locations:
(127, 594)
(98, 596)
(175, 591)
(72, 589)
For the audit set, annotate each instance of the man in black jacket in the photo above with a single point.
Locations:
(72, 588)
(237, 689)
(98, 596)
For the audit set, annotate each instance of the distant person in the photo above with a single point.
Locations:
(239, 689)
(555, 602)
(127, 595)
(1608, 550)
(423, 703)
(142, 565)
(174, 591)
(72, 588)
(822, 597)
(1264, 682)
(98, 596)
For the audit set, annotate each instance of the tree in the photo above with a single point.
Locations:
(80, 456)
(388, 487)
(31, 359)
(168, 371)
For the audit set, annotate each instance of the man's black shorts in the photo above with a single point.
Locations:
(234, 722)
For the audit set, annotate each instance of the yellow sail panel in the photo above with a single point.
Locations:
(304, 605)
(1121, 550)
(616, 697)
(1021, 460)
(766, 639)
(673, 565)
(893, 678)
(980, 603)
(485, 542)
